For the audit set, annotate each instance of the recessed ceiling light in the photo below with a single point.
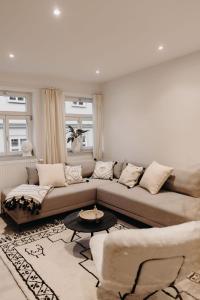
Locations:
(161, 47)
(97, 72)
(11, 55)
(56, 12)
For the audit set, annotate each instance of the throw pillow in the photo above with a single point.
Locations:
(73, 174)
(103, 170)
(32, 175)
(87, 167)
(154, 177)
(130, 175)
(51, 174)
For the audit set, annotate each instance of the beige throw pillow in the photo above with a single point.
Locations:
(73, 174)
(154, 177)
(130, 175)
(103, 170)
(51, 174)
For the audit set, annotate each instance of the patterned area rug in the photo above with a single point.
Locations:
(45, 265)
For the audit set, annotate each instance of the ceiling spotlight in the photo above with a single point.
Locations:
(97, 72)
(161, 47)
(11, 55)
(56, 12)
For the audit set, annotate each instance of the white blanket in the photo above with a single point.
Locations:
(27, 196)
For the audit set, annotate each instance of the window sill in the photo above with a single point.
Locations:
(9, 158)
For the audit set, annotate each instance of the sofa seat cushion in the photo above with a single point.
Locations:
(164, 208)
(71, 195)
(66, 196)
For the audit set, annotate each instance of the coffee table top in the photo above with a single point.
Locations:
(74, 222)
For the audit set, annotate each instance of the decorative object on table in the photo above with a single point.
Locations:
(91, 215)
(27, 149)
(72, 221)
(75, 138)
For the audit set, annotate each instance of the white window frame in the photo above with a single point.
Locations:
(79, 117)
(10, 115)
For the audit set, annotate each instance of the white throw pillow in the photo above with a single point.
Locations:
(51, 174)
(154, 177)
(73, 174)
(130, 175)
(103, 170)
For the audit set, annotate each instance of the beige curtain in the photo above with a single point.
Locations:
(54, 150)
(98, 126)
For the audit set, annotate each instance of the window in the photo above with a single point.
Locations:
(15, 122)
(79, 104)
(79, 115)
(19, 100)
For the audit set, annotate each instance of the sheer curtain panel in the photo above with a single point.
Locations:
(54, 144)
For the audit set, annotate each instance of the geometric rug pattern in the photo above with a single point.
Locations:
(46, 265)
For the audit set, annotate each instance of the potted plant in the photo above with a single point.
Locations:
(75, 138)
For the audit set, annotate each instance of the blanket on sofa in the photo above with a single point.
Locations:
(27, 197)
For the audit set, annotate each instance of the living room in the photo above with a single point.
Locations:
(99, 149)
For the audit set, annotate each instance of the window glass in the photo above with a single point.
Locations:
(78, 107)
(88, 136)
(13, 103)
(2, 148)
(18, 133)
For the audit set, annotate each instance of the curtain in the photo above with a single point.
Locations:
(54, 144)
(98, 126)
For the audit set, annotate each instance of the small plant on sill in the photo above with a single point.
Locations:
(74, 133)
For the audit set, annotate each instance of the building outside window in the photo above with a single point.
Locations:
(79, 114)
(15, 121)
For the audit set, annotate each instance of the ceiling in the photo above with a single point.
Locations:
(115, 36)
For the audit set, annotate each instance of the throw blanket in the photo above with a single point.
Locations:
(27, 197)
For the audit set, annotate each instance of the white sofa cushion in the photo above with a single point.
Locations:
(51, 174)
(130, 175)
(73, 174)
(103, 170)
(154, 177)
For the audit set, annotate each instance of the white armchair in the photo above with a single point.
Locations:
(145, 261)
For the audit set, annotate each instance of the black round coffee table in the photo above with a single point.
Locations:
(75, 223)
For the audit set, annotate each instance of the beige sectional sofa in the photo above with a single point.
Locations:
(163, 209)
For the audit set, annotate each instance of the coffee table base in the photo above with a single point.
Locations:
(92, 233)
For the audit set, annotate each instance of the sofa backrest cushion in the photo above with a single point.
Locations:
(164, 250)
(32, 175)
(185, 181)
(117, 170)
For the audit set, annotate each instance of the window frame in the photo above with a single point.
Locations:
(80, 117)
(10, 115)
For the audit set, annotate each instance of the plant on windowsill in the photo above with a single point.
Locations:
(75, 138)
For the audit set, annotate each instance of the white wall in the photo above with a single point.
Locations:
(154, 114)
